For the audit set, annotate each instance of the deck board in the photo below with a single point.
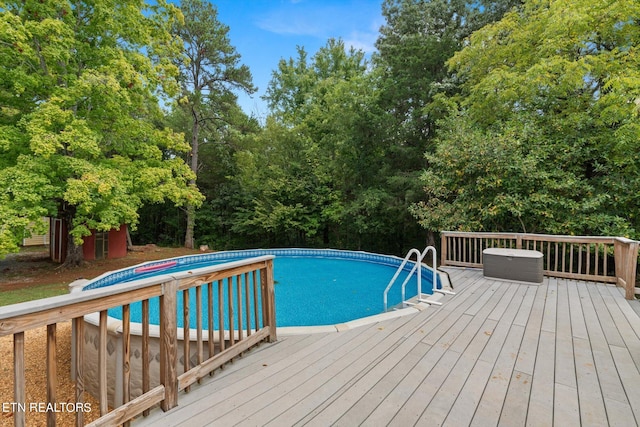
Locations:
(565, 369)
(331, 383)
(258, 396)
(609, 380)
(592, 409)
(497, 353)
(628, 335)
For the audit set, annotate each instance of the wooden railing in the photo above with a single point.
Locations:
(247, 306)
(600, 259)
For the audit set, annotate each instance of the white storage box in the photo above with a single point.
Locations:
(519, 265)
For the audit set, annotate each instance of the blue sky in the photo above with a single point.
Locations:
(265, 31)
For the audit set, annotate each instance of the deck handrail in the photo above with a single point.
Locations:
(593, 258)
(16, 319)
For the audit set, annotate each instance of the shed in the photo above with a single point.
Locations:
(99, 245)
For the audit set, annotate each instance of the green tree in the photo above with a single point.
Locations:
(314, 160)
(208, 81)
(555, 88)
(81, 137)
(414, 45)
(413, 48)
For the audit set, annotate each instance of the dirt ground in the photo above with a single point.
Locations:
(32, 267)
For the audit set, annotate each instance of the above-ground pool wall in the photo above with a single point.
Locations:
(129, 273)
(115, 358)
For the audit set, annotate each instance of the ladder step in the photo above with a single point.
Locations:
(430, 302)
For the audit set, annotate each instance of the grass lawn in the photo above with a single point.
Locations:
(31, 275)
(15, 296)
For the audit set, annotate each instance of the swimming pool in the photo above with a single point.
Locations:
(313, 287)
(315, 291)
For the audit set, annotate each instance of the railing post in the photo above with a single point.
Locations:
(169, 344)
(268, 299)
(626, 258)
(518, 241)
(443, 248)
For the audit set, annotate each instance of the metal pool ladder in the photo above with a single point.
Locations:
(419, 257)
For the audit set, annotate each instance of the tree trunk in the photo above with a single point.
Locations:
(189, 242)
(75, 256)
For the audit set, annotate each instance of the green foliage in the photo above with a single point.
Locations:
(81, 140)
(547, 135)
(339, 160)
(506, 180)
(313, 174)
(208, 79)
(414, 45)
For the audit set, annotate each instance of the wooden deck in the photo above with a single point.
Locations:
(564, 353)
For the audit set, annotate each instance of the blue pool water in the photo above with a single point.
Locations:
(313, 290)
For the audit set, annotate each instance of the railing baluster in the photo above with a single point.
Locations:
(186, 336)
(239, 305)
(580, 259)
(200, 349)
(454, 250)
(232, 338)
(52, 376)
(571, 258)
(102, 363)
(126, 355)
(467, 248)
(210, 320)
(78, 324)
(255, 302)
(145, 351)
(247, 303)
(596, 263)
(221, 316)
(19, 390)
(473, 249)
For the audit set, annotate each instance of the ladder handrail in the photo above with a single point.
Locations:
(419, 257)
(434, 277)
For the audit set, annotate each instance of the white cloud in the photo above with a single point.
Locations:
(280, 23)
(364, 41)
(317, 19)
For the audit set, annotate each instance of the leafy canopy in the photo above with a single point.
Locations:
(80, 119)
(549, 109)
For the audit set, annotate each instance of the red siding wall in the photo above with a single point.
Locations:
(89, 246)
(58, 249)
(118, 242)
